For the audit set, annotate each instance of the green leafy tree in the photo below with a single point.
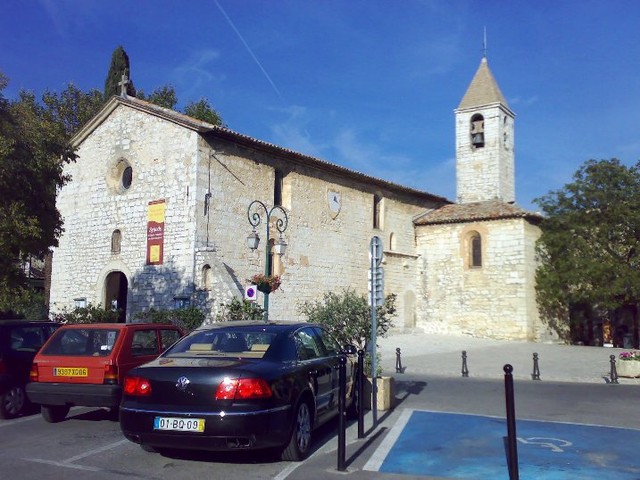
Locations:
(72, 108)
(119, 66)
(163, 96)
(202, 110)
(33, 150)
(347, 316)
(589, 249)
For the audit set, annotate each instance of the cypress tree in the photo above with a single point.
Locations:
(119, 66)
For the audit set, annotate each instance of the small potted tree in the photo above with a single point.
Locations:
(347, 316)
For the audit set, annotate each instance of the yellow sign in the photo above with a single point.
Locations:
(155, 232)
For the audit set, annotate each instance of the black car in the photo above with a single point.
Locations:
(238, 385)
(19, 342)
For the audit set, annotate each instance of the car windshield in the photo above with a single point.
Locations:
(224, 342)
(82, 342)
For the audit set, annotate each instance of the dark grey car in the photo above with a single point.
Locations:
(19, 342)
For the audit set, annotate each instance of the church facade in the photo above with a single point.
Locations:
(157, 215)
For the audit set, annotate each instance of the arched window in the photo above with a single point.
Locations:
(392, 241)
(475, 244)
(477, 131)
(207, 277)
(116, 241)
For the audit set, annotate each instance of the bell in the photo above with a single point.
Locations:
(477, 139)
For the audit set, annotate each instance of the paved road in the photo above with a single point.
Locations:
(574, 390)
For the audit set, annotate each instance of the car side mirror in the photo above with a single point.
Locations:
(350, 350)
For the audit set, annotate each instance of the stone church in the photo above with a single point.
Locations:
(157, 215)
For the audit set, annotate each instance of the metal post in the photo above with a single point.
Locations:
(536, 369)
(398, 361)
(512, 445)
(614, 373)
(465, 370)
(375, 254)
(360, 386)
(342, 426)
(255, 218)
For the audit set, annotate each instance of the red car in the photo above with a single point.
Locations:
(85, 364)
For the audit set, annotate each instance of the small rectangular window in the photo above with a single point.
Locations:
(376, 211)
(181, 302)
(277, 187)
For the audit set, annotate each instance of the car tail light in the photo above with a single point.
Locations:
(137, 386)
(110, 375)
(33, 373)
(242, 389)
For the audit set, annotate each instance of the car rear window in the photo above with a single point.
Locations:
(82, 342)
(231, 342)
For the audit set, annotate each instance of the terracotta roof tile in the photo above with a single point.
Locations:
(474, 212)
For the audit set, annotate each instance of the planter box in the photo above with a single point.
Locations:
(386, 393)
(628, 368)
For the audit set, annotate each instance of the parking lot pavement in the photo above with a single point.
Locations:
(442, 355)
(568, 429)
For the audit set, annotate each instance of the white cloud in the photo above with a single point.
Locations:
(195, 74)
(292, 132)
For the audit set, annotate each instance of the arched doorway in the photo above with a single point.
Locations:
(116, 287)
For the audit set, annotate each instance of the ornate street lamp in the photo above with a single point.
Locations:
(255, 214)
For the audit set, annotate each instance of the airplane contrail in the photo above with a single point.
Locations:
(246, 45)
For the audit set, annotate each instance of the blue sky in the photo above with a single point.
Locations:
(370, 85)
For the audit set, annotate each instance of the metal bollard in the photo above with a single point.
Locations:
(614, 373)
(398, 361)
(512, 440)
(465, 370)
(536, 369)
(342, 412)
(360, 386)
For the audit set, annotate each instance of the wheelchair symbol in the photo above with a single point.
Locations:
(554, 444)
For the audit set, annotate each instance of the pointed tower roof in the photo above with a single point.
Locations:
(483, 89)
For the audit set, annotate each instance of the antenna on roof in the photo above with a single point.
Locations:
(484, 44)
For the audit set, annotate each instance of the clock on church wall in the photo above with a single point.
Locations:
(334, 201)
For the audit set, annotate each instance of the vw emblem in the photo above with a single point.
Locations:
(182, 383)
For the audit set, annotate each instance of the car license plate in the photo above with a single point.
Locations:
(71, 372)
(179, 424)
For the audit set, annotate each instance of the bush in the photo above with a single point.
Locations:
(238, 309)
(347, 316)
(89, 314)
(188, 319)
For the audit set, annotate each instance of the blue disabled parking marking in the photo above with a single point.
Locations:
(453, 445)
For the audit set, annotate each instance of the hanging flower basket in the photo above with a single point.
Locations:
(266, 283)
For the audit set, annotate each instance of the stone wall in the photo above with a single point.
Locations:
(485, 173)
(495, 300)
(207, 183)
(163, 157)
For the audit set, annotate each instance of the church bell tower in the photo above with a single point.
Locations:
(484, 142)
